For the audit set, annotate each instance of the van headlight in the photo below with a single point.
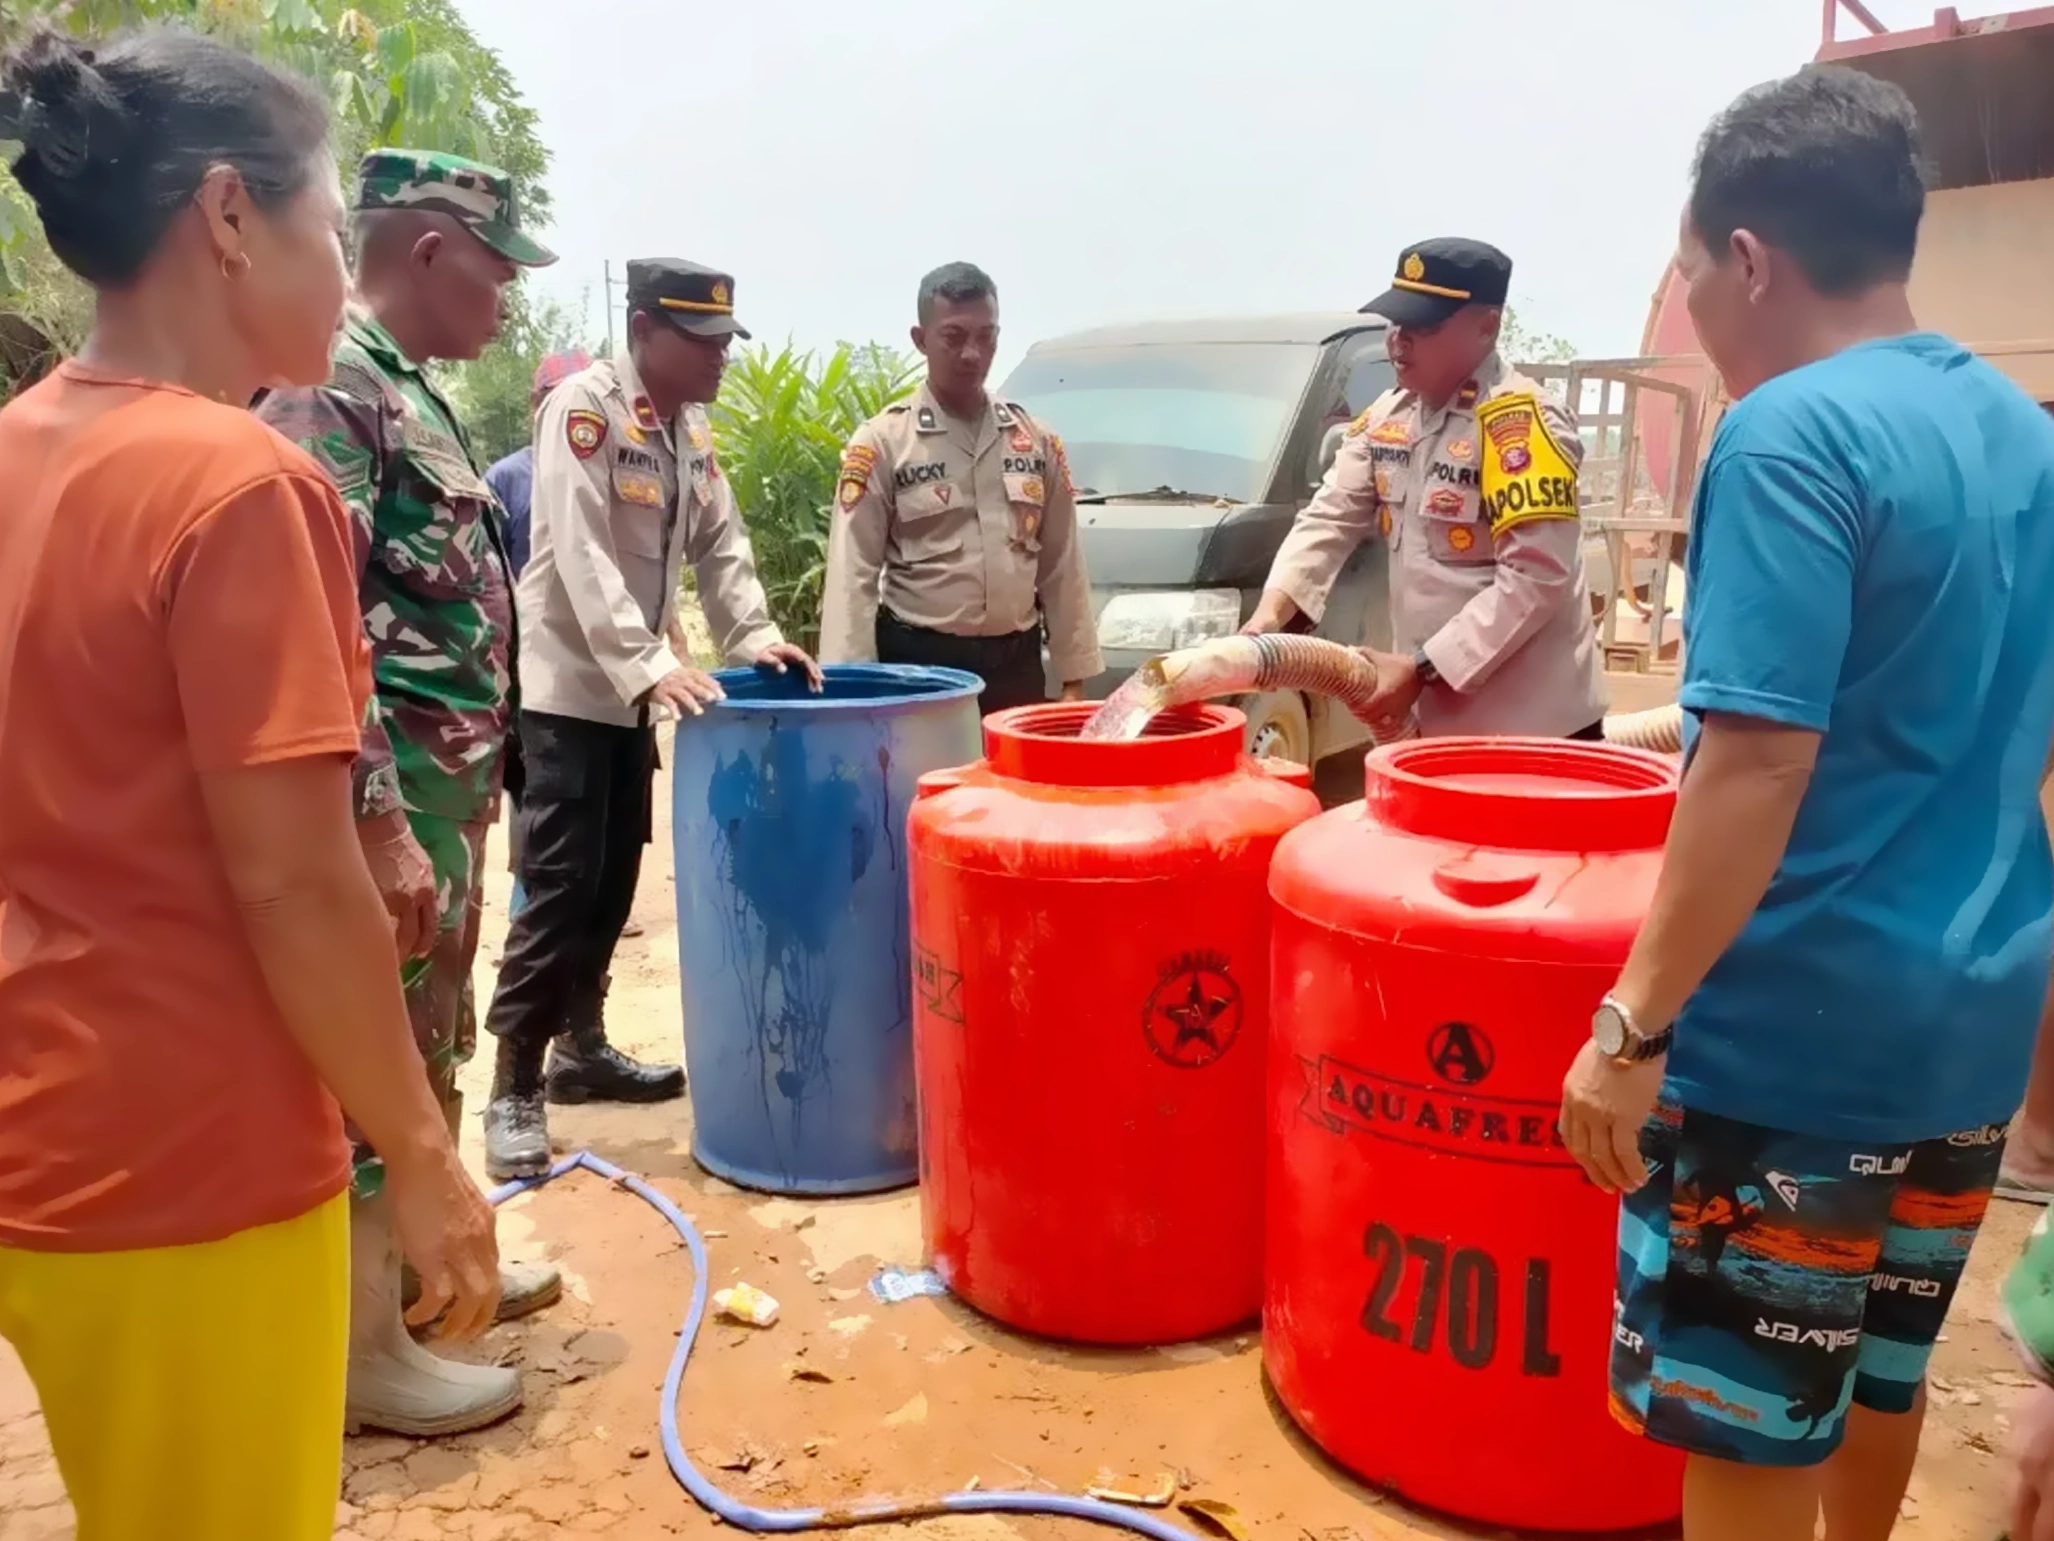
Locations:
(1162, 623)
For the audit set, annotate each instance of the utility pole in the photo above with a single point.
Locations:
(610, 281)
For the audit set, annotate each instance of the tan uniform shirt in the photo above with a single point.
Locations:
(621, 501)
(967, 528)
(1478, 502)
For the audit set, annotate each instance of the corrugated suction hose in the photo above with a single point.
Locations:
(1659, 728)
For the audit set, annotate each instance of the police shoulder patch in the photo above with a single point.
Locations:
(859, 463)
(1526, 474)
(1061, 457)
(585, 431)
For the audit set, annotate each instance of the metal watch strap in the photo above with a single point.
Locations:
(1639, 1050)
(1423, 667)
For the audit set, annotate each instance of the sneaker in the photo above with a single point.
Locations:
(516, 1137)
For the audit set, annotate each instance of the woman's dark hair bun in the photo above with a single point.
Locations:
(115, 140)
(67, 113)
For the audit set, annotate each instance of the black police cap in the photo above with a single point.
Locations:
(692, 298)
(1437, 278)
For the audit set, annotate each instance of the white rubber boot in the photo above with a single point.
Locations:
(394, 1383)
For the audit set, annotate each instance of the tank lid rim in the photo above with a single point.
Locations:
(922, 686)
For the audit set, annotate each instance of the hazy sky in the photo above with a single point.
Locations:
(1113, 160)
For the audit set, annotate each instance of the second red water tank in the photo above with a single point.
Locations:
(1438, 1314)
(1091, 971)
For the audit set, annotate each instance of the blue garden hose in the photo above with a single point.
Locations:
(785, 1521)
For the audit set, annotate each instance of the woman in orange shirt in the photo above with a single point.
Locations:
(194, 964)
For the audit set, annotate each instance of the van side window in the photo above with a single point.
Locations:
(1365, 374)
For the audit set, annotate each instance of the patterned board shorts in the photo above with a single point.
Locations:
(1768, 1279)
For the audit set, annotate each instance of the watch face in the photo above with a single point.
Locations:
(1608, 1031)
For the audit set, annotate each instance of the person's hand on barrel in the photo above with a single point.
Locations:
(781, 656)
(1605, 1105)
(686, 691)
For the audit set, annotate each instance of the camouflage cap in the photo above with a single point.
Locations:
(480, 196)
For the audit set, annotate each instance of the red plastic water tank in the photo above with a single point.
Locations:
(1091, 970)
(1438, 1309)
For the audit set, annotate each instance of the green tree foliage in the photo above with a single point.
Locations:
(396, 72)
(779, 428)
(1524, 347)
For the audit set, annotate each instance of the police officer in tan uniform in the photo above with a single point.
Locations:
(954, 541)
(1468, 469)
(627, 490)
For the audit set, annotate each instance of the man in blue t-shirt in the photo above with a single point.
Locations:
(1801, 1079)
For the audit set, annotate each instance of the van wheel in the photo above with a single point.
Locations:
(1278, 728)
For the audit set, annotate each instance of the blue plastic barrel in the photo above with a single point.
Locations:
(794, 952)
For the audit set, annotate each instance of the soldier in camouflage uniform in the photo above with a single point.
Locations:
(438, 239)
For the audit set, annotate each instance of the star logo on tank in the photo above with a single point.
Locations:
(1194, 1013)
(1461, 1054)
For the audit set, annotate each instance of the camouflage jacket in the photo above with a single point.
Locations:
(432, 572)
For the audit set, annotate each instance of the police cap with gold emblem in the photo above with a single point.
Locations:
(1437, 278)
(691, 298)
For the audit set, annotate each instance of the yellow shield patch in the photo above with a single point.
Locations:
(1526, 474)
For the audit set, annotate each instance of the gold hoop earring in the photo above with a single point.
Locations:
(235, 266)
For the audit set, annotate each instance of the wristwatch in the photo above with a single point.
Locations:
(1423, 668)
(1620, 1039)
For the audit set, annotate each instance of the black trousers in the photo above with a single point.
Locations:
(579, 828)
(1009, 666)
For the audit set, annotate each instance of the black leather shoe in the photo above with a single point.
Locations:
(585, 1068)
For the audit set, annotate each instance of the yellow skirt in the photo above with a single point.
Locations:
(193, 1393)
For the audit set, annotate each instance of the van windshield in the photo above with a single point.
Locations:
(1203, 419)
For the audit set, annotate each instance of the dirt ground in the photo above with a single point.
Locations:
(914, 1399)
